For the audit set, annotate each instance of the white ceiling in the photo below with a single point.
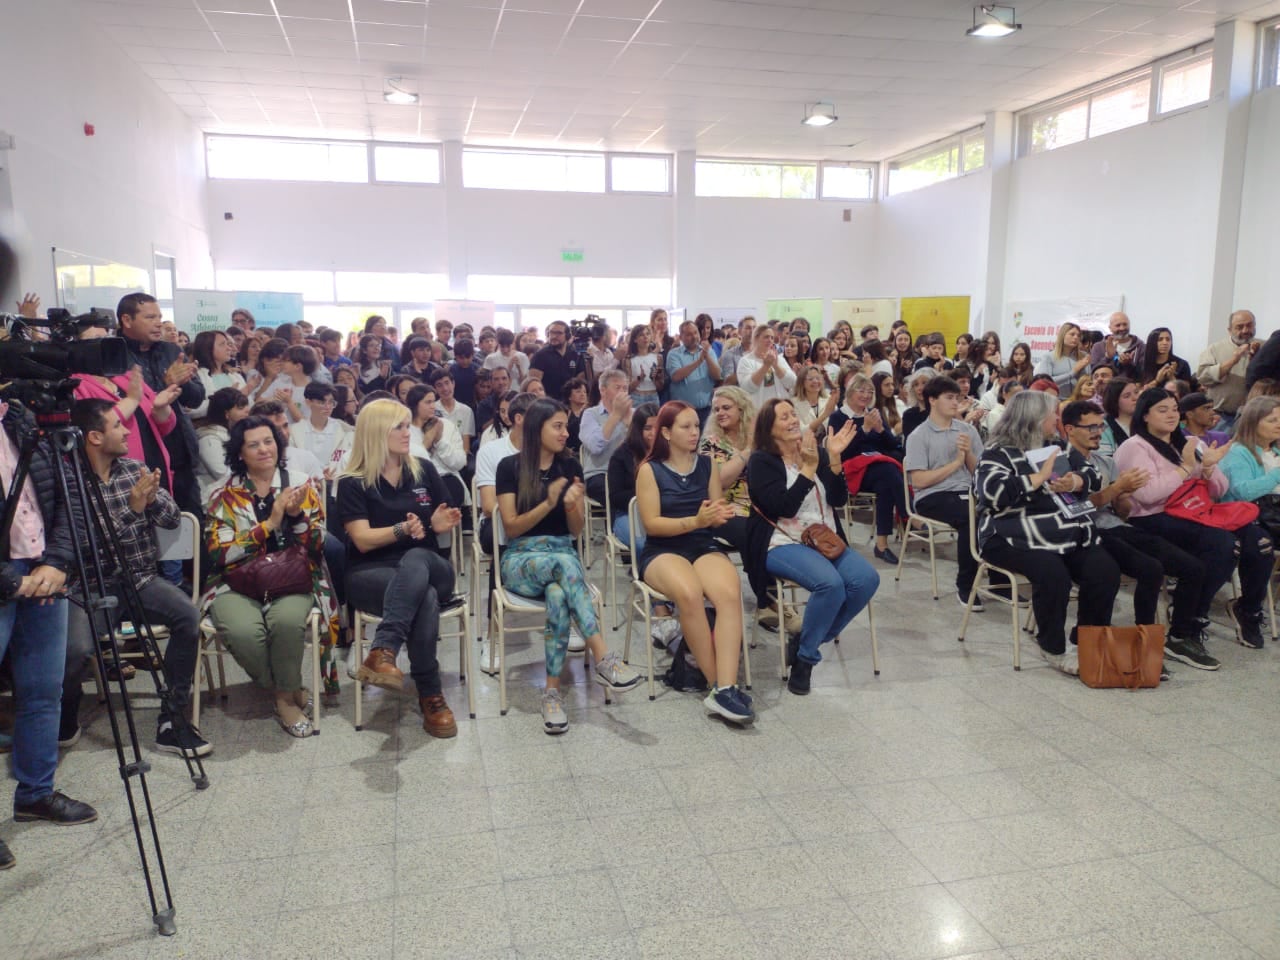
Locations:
(727, 77)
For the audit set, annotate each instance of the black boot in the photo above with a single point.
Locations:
(798, 680)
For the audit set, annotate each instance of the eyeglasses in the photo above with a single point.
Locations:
(1091, 427)
(324, 403)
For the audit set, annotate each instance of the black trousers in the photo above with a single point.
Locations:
(1051, 575)
(1218, 550)
(1148, 559)
(407, 596)
(952, 508)
(595, 485)
(885, 481)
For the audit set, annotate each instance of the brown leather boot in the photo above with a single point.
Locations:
(379, 668)
(437, 718)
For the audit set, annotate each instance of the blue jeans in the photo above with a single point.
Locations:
(622, 530)
(837, 591)
(37, 635)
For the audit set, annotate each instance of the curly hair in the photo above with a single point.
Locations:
(235, 443)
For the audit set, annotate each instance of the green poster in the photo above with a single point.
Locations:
(810, 309)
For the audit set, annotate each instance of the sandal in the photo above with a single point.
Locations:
(117, 671)
(300, 728)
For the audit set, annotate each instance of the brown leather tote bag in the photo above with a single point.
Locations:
(1128, 657)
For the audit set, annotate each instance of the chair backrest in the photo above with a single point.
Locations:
(497, 540)
(182, 543)
(633, 524)
(906, 490)
(973, 527)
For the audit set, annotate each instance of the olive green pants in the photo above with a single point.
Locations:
(267, 644)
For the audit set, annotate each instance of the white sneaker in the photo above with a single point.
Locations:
(1068, 663)
(613, 672)
(490, 666)
(554, 719)
(665, 630)
(576, 642)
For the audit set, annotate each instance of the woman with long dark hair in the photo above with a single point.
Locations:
(501, 419)
(223, 410)
(904, 355)
(542, 499)
(213, 352)
(1118, 402)
(1170, 458)
(621, 475)
(679, 499)
(1022, 528)
(886, 400)
(643, 368)
(796, 482)
(1020, 360)
(1160, 363)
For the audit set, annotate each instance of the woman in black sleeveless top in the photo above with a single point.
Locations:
(679, 499)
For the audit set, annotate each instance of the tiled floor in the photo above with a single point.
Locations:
(950, 807)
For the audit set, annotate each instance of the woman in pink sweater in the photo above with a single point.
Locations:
(147, 415)
(1170, 457)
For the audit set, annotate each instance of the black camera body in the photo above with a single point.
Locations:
(37, 365)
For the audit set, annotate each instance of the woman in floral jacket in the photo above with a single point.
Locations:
(255, 513)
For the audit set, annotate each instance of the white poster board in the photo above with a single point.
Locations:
(1036, 322)
(881, 311)
(198, 310)
(476, 313)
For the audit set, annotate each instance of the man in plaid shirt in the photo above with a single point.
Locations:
(136, 503)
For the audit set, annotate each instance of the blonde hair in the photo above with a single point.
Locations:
(1251, 415)
(1059, 348)
(746, 416)
(1078, 392)
(374, 424)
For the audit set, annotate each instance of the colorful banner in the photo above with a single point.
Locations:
(858, 313)
(1036, 322)
(198, 310)
(788, 310)
(948, 316)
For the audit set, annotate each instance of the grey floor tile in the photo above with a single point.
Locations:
(958, 851)
(459, 860)
(1206, 878)
(672, 892)
(770, 877)
(582, 905)
(866, 863)
(1019, 908)
(1259, 854)
(1099, 945)
(353, 930)
(919, 923)
(1258, 927)
(464, 922)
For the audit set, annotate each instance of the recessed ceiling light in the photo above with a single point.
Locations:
(993, 21)
(819, 115)
(396, 93)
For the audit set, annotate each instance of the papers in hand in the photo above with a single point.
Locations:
(1069, 504)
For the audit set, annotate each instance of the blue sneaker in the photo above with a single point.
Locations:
(727, 702)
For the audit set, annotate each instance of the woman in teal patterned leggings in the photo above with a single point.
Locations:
(542, 503)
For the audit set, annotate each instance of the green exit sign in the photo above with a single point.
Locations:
(571, 256)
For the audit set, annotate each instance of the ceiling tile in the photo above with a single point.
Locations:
(317, 29)
(319, 9)
(237, 6)
(182, 39)
(390, 11)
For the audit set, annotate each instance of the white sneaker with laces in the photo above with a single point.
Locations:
(576, 641)
(665, 630)
(554, 719)
(613, 672)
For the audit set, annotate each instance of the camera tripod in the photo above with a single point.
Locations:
(97, 552)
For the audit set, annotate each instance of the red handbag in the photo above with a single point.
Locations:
(1193, 501)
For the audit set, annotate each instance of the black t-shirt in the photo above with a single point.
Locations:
(555, 523)
(464, 383)
(385, 505)
(557, 370)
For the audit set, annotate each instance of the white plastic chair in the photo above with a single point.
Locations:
(461, 613)
(928, 530)
(641, 601)
(789, 593)
(614, 549)
(508, 603)
(982, 587)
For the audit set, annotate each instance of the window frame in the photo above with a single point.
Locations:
(436, 148)
(953, 141)
(525, 151)
(873, 168)
(627, 154)
(1202, 52)
(759, 161)
(1268, 54)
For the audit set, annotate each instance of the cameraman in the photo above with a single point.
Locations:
(33, 625)
(136, 503)
(556, 363)
(163, 365)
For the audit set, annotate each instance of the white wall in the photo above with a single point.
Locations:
(933, 242)
(1132, 213)
(137, 184)
(1257, 272)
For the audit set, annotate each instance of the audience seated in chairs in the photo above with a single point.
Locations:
(794, 483)
(1138, 553)
(877, 450)
(389, 501)
(436, 439)
(263, 509)
(1118, 402)
(942, 454)
(1023, 528)
(1170, 458)
(226, 406)
(604, 430)
(543, 507)
(136, 504)
(680, 501)
(622, 470)
(487, 460)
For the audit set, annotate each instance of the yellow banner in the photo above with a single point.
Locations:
(948, 316)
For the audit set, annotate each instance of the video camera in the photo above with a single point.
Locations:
(38, 368)
(582, 332)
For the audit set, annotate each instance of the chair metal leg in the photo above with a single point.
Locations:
(1017, 634)
(357, 651)
(933, 563)
(746, 653)
(630, 615)
(973, 592)
(782, 631)
(648, 644)
(464, 642)
(317, 678)
(496, 628)
(875, 643)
